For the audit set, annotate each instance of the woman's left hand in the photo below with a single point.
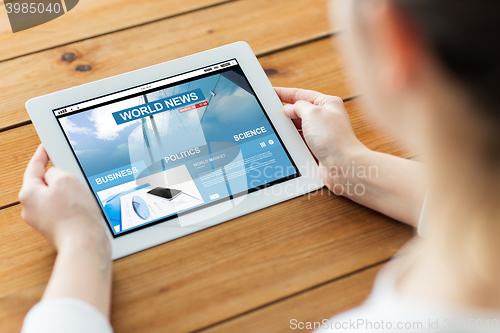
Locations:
(58, 205)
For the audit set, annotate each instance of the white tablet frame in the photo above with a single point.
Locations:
(41, 109)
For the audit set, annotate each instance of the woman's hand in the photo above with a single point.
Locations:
(391, 185)
(58, 205)
(326, 128)
(62, 209)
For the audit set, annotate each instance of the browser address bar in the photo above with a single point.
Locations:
(143, 88)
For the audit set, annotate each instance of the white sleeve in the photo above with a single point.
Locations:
(62, 315)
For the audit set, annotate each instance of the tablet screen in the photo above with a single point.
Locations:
(202, 135)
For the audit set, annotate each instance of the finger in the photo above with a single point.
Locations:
(303, 109)
(289, 111)
(54, 174)
(298, 110)
(36, 167)
(278, 91)
(293, 95)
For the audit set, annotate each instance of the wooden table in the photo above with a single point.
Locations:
(305, 259)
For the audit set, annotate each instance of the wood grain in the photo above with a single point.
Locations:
(311, 306)
(253, 21)
(215, 274)
(89, 18)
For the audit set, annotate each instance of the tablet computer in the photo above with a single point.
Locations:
(172, 149)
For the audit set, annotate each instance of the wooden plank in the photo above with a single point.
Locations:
(216, 274)
(316, 66)
(90, 18)
(19, 144)
(254, 21)
(18, 147)
(312, 306)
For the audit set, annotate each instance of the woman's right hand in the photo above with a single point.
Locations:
(326, 129)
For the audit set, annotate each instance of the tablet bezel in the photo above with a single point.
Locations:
(41, 109)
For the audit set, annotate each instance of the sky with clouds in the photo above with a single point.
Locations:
(102, 145)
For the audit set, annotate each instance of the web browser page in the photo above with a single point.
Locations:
(175, 145)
